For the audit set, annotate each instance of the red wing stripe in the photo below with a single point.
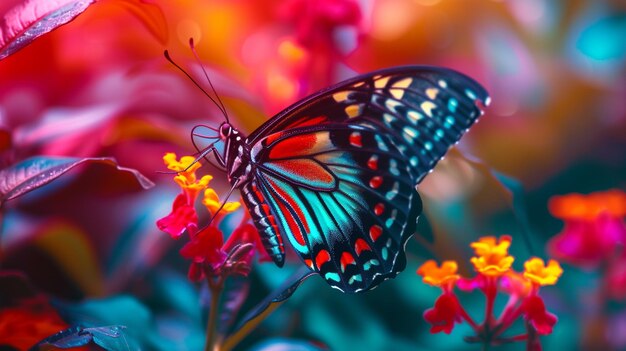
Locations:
(291, 221)
(300, 145)
(303, 171)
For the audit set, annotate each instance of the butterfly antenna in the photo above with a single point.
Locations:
(195, 54)
(167, 57)
(204, 126)
(204, 152)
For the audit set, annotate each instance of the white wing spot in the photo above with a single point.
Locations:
(392, 104)
(432, 93)
(353, 110)
(398, 88)
(388, 118)
(341, 96)
(414, 116)
(381, 82)
(409, 134)
(427, 107)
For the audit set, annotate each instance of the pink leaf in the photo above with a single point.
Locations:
(36, 172)
(29, 19)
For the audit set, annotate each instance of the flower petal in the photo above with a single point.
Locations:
(537, 272)
(182, 218)
(444, 314)
(206, 246)
(535, 312)
(439, 276)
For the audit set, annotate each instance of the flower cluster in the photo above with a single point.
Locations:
(594, 230)
(593, 239)
(494, 274)
(211, 257)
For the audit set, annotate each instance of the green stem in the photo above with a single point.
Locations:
(211, 328)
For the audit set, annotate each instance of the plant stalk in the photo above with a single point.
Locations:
(211, 328)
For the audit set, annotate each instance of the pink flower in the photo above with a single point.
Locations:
(182, 218)
(594, 226)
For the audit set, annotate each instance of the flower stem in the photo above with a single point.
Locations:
(211, 328)
(508, 317)
(490, 293)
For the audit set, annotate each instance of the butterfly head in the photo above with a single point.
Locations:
(225, 130)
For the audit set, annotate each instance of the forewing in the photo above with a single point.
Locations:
(422, 110)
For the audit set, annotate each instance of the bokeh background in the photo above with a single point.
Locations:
(99, 86)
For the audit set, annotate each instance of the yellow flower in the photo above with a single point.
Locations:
(186, 177)
(184, 166)
(537, 272)
(439, 276)
(493, 255)
(212, 202)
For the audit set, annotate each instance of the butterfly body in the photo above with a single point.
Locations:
(335, 174)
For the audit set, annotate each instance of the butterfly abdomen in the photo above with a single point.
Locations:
(264, 222)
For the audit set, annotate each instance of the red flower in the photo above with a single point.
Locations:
(247, 233)
(535, 312)
(211, 257)
(444, 314)
(205, 250)
(182, 218)
(494, 275)
(31, 321)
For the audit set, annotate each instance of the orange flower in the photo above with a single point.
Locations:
(538, 273)
(434, 275)
(589, 207)
(493, 256)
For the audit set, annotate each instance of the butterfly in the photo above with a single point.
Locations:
(335, 174)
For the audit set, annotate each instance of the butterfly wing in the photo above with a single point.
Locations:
(343, 196)
(336, 172)
(425, 110)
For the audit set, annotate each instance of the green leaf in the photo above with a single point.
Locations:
(36, 172)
